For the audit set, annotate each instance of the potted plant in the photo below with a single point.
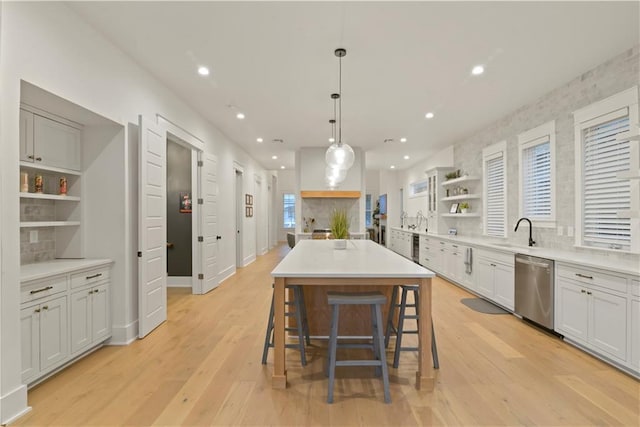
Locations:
(339, 225)
(464, 207)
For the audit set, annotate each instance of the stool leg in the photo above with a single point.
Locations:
(403, 308)
(374, 335)
(305, 321)
(299, 326)
(383, 358)
(434, 348)
(333, 344)
(390, 316)
(267, 338)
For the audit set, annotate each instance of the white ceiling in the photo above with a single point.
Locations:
(274, 61)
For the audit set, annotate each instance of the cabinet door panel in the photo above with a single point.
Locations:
(26, 136)
(54, 345)
(100, 313)
(504, 285)
(635, 333)
(484, 278)
(608, 323)
(80, 319)
(573, 311)
(30, 346)
(56, 144)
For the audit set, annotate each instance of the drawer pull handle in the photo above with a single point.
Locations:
(37, 310)
(584, 276)
(41, 290)
(38, 159)
(46, 307)
(94, 276)
(30, 157)
(583, 291)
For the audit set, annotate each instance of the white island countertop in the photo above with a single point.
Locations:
(41, 270)
(361, 258)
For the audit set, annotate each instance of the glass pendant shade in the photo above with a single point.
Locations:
(340, 156)
(334, 176)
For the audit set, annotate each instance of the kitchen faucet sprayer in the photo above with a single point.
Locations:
(531, 242)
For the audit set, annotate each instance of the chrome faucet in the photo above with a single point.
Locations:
(531, 242)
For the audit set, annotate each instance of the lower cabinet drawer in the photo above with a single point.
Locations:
(593, 277)
(89, 277)
(32, 291)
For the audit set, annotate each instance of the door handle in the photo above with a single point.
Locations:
(169, 245)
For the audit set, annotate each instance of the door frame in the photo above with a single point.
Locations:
(238, 179)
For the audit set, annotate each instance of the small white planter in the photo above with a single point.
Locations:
(340, 244)
(464, 210)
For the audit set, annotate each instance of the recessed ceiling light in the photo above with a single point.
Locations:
(203, 71)
(281, 167)
(403, 139)
(274, 157)
(406, 157)
(477, 70)
(392, 166)
(259, 139)
(240, 116)
(332, 140)
(429, 115)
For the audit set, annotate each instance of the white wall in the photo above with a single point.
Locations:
(49, 46)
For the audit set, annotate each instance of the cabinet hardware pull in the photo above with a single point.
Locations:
(455, 246)
(94, 276)
(493, 265)
(37, 310)
(588, 292)
(41, 290)
(584, 276)
(38, 159)
(90, 292)
(46, 307)
(30, 157)
(583, 291)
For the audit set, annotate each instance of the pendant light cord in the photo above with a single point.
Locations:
(340, 101)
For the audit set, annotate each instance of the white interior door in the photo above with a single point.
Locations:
(210, 222)
(152, 237)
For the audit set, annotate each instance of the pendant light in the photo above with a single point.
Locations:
(340, 155)
(333, 175)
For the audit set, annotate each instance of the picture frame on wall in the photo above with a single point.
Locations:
(185, 202)
(454, 208)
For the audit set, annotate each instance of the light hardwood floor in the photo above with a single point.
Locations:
(202, 367)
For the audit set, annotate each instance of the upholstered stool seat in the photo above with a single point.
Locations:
(302, 325)
(375, 300)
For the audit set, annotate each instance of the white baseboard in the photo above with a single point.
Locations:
(248, 260)
(179, 281)
(226, 273)
(124, 335)
(13, 405)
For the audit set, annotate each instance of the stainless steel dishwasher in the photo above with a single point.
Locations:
(534, 289)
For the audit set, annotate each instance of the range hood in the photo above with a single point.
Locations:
(330, 194)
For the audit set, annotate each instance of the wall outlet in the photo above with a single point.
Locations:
(33, 236)
(569, 231)
(560, 230)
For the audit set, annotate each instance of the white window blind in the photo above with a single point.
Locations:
(495, 218)
(536, 179)
(289, 210)
(604, 194)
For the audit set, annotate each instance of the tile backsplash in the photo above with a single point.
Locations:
(44, 249)
(321, 209)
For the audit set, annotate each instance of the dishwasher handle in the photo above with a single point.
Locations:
(537, 264)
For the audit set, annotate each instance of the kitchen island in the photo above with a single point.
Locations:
(362, 263)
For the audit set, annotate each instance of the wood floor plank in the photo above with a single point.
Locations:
(202, 367)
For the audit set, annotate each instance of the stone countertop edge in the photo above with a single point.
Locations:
(42, 270)
(571, 257)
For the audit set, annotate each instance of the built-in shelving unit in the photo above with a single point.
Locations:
(461, 197)
(462, 215)
(44, 196)
(31, 224)
(461, 182)
(462, 179)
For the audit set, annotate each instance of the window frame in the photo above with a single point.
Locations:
(592, 115)
(284, 196)
(368, 213)
(529, 139)
(489, 153)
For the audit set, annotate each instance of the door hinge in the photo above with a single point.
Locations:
(200, 163)
(201, 276)
(139, 254)
(200, 239)
(201, 201)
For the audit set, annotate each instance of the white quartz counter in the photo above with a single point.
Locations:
(574, 257)
(41, 270)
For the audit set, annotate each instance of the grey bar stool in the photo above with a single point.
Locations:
(374, 300)
(302, 325)
(399, 331)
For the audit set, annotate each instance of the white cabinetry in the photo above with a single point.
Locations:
(494, 276)
(401, 242)
(634, 321)
(460, 190)
(44, 336)
(591, 309)
(62, 316)
(434, 177)
(47, 142)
